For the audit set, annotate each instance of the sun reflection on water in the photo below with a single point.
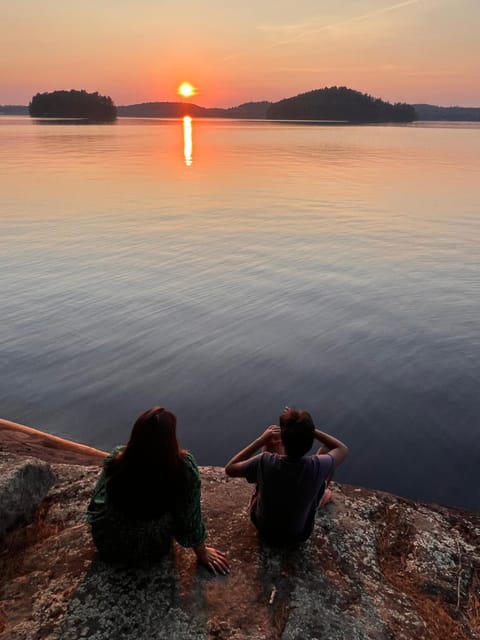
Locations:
(187, 140)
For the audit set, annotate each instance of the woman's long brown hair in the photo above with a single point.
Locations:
(145, 479)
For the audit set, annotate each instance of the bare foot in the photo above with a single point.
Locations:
(326, 498)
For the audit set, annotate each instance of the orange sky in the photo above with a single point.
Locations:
(139, 51)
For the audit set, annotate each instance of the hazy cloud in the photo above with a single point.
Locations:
(294, 32)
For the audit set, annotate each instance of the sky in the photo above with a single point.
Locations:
(233, 52)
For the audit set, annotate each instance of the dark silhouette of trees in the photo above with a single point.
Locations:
(458, 114)
(340, 104)
(167, 110)
(256, 110)
(180, 109)
(13, 110)
(73, 104)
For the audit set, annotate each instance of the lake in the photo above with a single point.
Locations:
(224, 269)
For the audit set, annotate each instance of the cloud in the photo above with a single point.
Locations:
(294, 32)
(349, 69)
(288, 33)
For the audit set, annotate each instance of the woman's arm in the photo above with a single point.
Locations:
(98, 503)
(189, 527)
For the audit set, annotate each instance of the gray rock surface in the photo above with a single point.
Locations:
(378, 567)
(24, 483)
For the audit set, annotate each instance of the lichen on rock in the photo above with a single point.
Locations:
(24, 482)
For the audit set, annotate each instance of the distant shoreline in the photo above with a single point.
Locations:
(328, 123)
(257, 111)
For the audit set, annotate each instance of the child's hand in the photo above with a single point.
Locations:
(271, 435)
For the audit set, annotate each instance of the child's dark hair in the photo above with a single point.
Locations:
(297, 432)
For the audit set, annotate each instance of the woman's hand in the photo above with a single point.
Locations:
(214, 560)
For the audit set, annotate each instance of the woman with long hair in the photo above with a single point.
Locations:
(149, 493)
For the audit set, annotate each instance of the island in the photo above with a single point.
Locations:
(340, 104)
(73, 104)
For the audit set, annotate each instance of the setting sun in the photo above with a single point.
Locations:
(186, 90)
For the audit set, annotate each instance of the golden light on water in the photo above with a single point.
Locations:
(186, 90)
(187, 140)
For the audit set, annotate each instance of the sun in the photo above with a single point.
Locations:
(186, 90)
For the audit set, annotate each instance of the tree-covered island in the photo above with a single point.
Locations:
(73, 104)
(340, 104)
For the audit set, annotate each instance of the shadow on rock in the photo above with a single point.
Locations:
(133, 603)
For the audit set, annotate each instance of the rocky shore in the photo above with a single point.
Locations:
(378, 566)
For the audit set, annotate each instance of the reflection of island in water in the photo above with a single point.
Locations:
(187, 140)
(70, 121)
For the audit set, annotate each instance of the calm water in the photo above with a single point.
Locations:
(246, 267)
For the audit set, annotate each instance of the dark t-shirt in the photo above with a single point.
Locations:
(288, 493)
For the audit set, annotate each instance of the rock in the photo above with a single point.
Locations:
(24, 483)
(377, 567)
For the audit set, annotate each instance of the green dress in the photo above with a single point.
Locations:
(123, 538)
